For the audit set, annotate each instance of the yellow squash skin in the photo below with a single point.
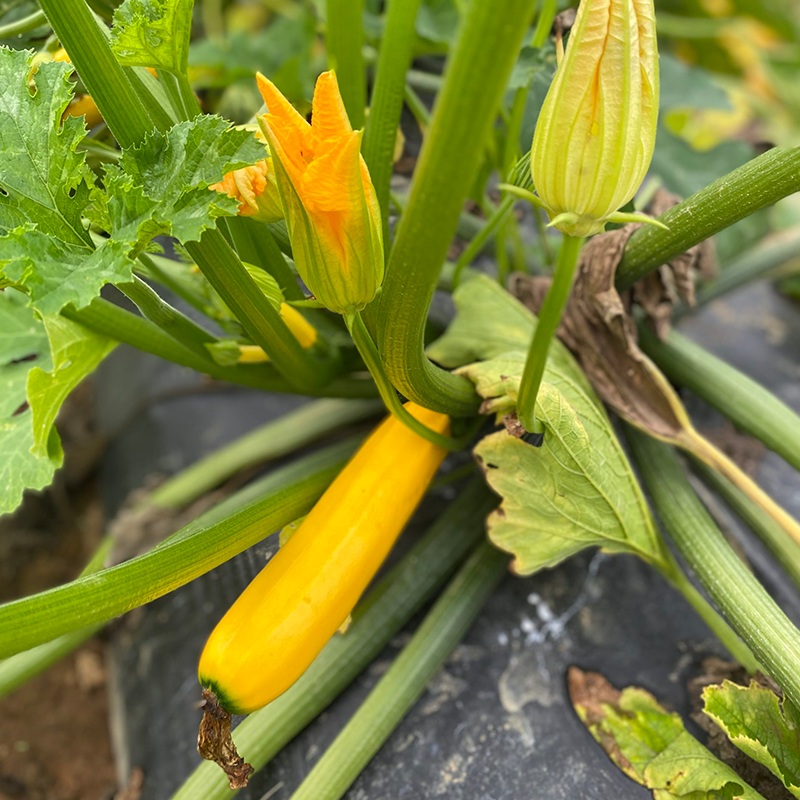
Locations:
(283, 619)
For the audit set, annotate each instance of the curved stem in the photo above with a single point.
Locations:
(474, 83)
(755, 616)
(366, 347)
(753, 186)
(23, 25)
(549, 318)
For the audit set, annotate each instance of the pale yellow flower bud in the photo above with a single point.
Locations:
(596, 132)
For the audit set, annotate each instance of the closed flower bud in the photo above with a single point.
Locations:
(255, 189)
(596, 132)
(329, 202)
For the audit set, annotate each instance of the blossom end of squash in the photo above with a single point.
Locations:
(214, 741)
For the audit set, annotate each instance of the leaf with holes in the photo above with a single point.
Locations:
(43, 179)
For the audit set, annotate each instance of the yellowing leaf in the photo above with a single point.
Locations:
(650, 745)
(754, 721)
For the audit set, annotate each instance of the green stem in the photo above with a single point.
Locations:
(344, 40)
(400, 594)
(437, 636)
(169, 319)
(741, 653)
(785, 550)
(749, 405)
(753, 186)
(475, 80)
(499, 215)
(23, 666)
(180, 94)
(774, 252)
(549, 319)
(23, 25)
(256, 245)
(742, 599)
(100, 72)
(216, 536)
(122, 325)
(386, 103)
(545, 23)
(368, 351)
(418, 109)
(270, 441)
(226, 274)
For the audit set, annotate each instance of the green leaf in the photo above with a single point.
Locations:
(43, 180)
(268, 285)
(19, 468)
(281, 51)
(650, 745)
(45, 187)
(161, 187)
(23, 345)
(437, 20)
(490, 322)
(153, 33)
(531, 60)
(76, 352)
(687, 769)
(576, 491)
(754, 721)
(685, 86)
(56, 273)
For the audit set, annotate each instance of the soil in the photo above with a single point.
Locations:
(54, 733)
(54, 738)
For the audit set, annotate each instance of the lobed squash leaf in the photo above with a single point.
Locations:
(754, 721)
(578, 489)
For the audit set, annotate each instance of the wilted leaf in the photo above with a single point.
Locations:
(153, 33)
(754, 721)
(76, 352)
(650, 744)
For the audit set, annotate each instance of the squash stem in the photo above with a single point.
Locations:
(369, 352)
(549, 319)
(752, 613)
